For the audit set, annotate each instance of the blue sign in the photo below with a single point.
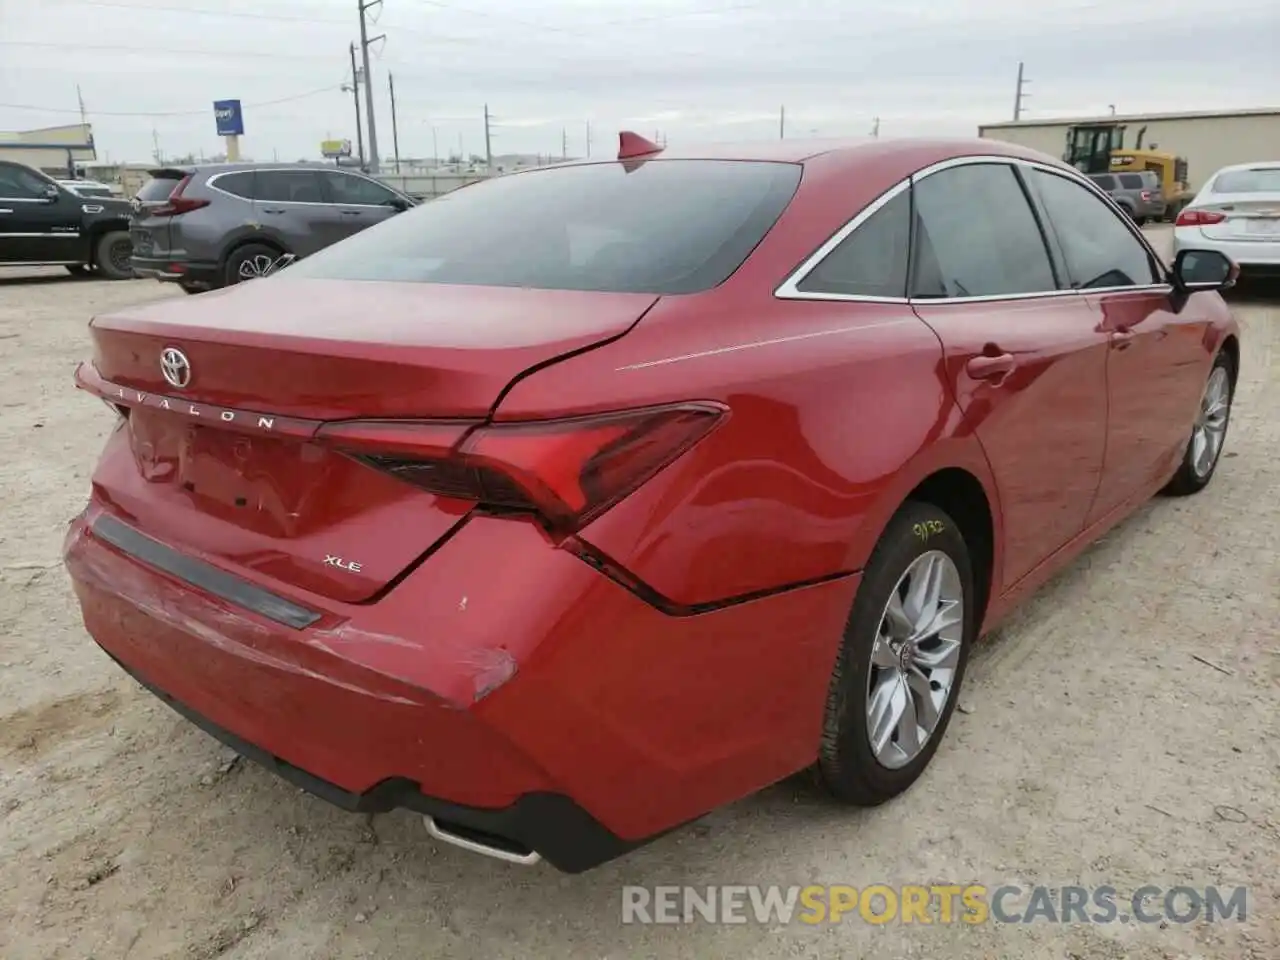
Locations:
(229, 117)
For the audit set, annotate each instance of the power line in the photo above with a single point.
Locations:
(169, 113)
(152, 49)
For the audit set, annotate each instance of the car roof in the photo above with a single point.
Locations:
(1256, 165)
(245, 165)
(853, 148)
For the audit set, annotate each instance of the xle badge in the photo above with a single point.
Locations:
(331, 561)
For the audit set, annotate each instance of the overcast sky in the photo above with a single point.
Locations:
(694, 69)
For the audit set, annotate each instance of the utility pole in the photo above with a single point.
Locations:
(355, 93)
(782, 123)
(588, 139)
(395, 132)
(435, 148)
(368, 81)
(155, 139)
(1020, 96)
(875, 127)
(564, 143)
(488, 146)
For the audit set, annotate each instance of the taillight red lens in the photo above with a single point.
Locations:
(566, 471)
(177, 203)
(1198, 218)
(1146, 194)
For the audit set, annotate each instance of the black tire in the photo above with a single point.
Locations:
(1188, 479)
(251, 254)
(189, 288)
(1140, 221)
(112, 253)
(1128, 212)
(847, 767)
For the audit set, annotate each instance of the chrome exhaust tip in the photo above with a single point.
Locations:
(475, 846)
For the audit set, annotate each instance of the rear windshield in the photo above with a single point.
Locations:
(159, 188)
(1262, 180)
(662, 226)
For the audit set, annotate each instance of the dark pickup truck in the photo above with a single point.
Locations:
(43, 223)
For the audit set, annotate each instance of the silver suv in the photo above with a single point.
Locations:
(211, 225)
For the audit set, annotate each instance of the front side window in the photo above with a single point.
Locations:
(872, 260)
(657, 226)
(344, 188)
(19, 183)
(1099, 249)
(976, 235)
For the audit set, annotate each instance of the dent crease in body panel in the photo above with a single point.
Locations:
(186, 611)
(484, 669)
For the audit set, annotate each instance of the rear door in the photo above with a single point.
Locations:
(360, 202)
(1024, 356)
(291, 206)
(1156, 361)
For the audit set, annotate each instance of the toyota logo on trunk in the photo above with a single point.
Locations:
(175, 366)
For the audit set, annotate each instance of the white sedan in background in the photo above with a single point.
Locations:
(1237, 212)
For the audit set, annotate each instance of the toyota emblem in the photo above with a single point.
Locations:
(175, 366)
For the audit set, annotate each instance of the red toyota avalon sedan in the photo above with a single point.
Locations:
(576, 503)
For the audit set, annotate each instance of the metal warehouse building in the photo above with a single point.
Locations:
(1208, 141)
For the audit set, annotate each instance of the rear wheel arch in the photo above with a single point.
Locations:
(259, 239)
(961, 495)
(97, 229)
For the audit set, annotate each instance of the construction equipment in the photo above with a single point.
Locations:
(1100, 148)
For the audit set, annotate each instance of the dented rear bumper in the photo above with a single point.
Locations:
(503, 686)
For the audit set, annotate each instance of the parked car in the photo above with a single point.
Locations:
(1237, 213)
(211, 225)
(1138, 194)
(88, 188)
(42, 223)
(573, 504)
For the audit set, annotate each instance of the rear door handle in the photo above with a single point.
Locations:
(1121, 338)
(272, 210)
(351, 213)
(991, 367)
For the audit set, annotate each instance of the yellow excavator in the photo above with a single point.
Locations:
(1099, 148)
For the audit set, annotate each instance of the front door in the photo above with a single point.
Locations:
(360, 202)
(1156, 364)
(34, 226)
(1023, 354)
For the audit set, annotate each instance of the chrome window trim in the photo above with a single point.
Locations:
(789, 288)
(212, 184)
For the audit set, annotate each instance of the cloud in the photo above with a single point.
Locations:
(695, 69)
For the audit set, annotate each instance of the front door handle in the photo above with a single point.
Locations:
(991, 367)
(1121, 338)
(272, 210)
(351, 213)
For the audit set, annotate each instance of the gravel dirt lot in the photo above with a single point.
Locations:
(1121, 729)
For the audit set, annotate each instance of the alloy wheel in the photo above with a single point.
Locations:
(914, 659)
(1211, 424)
(256, 266)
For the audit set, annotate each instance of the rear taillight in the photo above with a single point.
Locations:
(567, 472)
(1198, 218)
(177, 203)
(1146, 195)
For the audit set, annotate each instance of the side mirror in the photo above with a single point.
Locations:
(50, 192)
(1203, 270)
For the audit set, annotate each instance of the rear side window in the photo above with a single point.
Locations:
(1099, 248)
(236, 184)
(1132, 181)
(872, 260)
(657, 226)
(976, 235)
(158, 188)
(287, 186)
